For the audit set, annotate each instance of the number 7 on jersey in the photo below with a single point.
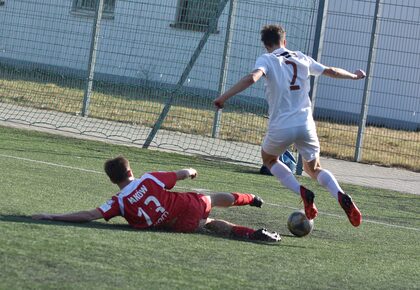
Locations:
(293, 87)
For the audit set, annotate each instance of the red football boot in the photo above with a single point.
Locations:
(308, 201)
(351, 210)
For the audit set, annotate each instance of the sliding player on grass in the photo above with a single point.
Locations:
(146, 202)
(287, 85)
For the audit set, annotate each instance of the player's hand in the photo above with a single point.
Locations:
(360, 74)
(219, 102)
(192, 172)
(42, 216)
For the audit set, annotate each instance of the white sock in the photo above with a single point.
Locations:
(285, 176)
(326, 179)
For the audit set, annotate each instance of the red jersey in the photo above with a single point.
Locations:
(145, 202)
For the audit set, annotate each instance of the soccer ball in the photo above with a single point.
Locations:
(299, 225)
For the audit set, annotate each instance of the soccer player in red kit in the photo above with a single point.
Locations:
(147, 202)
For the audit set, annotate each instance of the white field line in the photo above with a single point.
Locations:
(49, 163)
(202, 190)
(342, 216)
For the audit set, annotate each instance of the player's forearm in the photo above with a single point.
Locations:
(75, 217)
(240, 86)
(339, 73)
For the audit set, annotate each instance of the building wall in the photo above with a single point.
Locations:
(138, 43)
(44, 33)
(395, 86)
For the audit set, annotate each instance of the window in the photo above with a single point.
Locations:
(195, 14)
(88, 7)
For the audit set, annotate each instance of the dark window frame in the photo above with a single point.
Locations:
(88, 8)
(190, 16)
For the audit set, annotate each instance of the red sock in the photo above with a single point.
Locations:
(242, 198)
(241, 232)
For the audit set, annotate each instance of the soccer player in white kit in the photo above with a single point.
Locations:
(290, 116)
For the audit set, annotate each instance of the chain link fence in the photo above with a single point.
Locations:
(146, 72)
(376, 121)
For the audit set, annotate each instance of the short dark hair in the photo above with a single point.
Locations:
(117, 169)
(272, 35)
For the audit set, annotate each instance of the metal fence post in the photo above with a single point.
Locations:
(92, 56)
(368, 83)
(225, 66)
(321, 21)
(211, 27)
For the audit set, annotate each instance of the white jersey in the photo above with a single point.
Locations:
(287, 87)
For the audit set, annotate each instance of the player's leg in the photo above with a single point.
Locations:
(227, 229)
(280, 171)
(225, 199)
(309, 148)
(196, 218)
(327, 180)
(324, 177)
(271, 149)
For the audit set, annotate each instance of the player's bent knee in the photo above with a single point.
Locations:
(269, 163)
(310, 169)
(216, 226)
(221, 199)
(204, 222)
(268, 160)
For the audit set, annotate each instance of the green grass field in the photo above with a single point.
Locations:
(44, 173)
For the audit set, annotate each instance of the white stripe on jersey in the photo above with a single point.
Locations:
(132, 186)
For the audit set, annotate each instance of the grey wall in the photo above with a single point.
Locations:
(140, 44)
(396, 78)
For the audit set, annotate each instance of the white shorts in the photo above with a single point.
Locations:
(304, 138)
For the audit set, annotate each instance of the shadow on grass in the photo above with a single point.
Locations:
(254, 171)
(93, 225)
(123, 227)
(255, 242)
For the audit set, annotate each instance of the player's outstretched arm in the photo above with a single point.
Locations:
(339, 73)
(185, 173)
(240, 86)
(75, 217)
